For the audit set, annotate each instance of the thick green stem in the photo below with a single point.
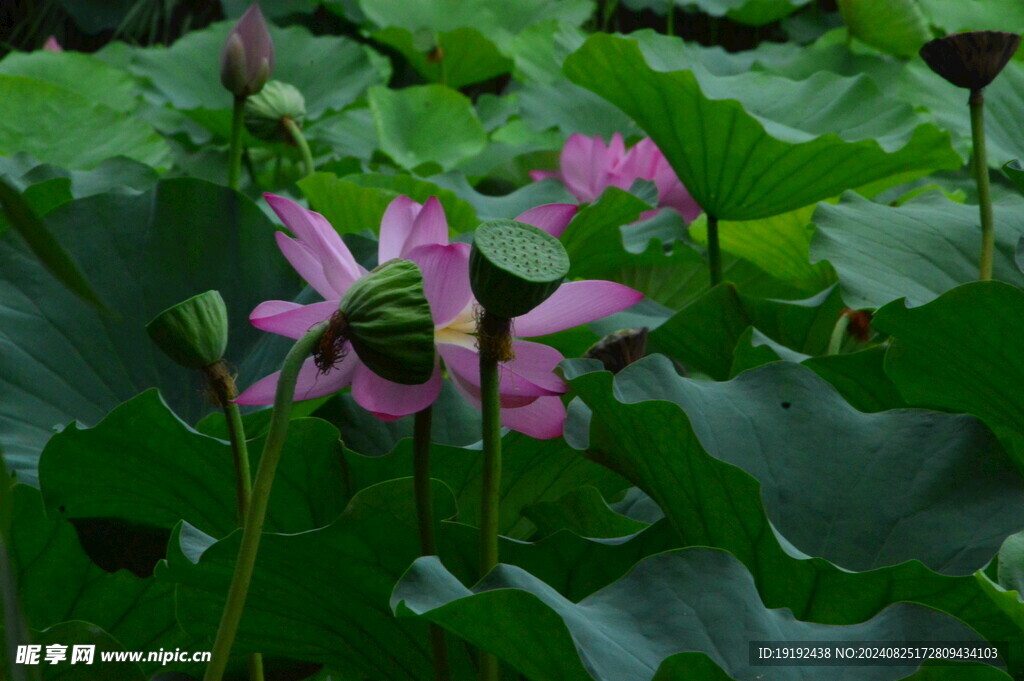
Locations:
(240, 452)
(670, 18)
(496, 331)
(425, 516)
(714, 251)
(988, 232)
(300, 141)
(253, 527)
(235, 152)
(256, 667)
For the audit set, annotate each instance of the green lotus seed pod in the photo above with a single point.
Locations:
(515, 267)
(265, 111)
(389, 322)
(193, 333)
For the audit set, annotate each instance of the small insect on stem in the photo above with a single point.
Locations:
(330, 351)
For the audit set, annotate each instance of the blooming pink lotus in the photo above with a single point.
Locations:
(588, 167)
(528, 386)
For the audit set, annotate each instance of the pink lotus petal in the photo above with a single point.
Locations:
(51, 45)
(340, 268)
(575, 303)
(583, 159)
(553, 218)
(542, 419)
(529, 375)
(389, 401)
(430, 226)
(305, 261)
(396, 226)
(445, 279)
(247, 58)
(471, 393)
(290, 319)
(310, 384)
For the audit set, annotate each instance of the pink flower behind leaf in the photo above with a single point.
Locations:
(589, 166)
(51, 45)
(528, 386)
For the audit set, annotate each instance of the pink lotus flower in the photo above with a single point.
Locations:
(51, 45)
(528, 386)
(588, 167)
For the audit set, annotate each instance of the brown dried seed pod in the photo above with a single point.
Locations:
(970, 60)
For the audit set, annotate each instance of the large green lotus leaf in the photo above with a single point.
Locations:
(584, 512)
(114, 174)
(532, 472)
(66, 129)
(499, 22)
(142, 253)
(713, 503)
(691, 600)
(916, 251)
(750, 12)
(779, 245)
(428, 124)
(142, 464)
(974, 15)
(860, 378)
(704, 334)
(57, 583)
(322, 596)
(893, 26)
(745, 146)
(465, 55)
(80, 73)
(461, 214)
(890, 490)
(960, 352)
(330, 71)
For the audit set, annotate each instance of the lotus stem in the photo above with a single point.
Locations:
(496, 330)
(425, 516)
(257, 512)
(235, 152)
(300, 141)
(988, 232)
(714, 251)
(835, 342)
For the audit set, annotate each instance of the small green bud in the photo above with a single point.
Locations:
(193, 333)
(514, 267)
(389, 322)
(266, 111)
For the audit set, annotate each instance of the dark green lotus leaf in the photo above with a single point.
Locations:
(744, 145)
(80, 73)
(322, 596)
(141, 254)
(959, 352)
(1015, 171)
(139, 613)
(428, 124)
(691, 600)
(143, 464)
(461, 214)
(916, 251)
(533, 472)
(691, 336)
(754, 349)
(331, 72)
(860, 378)
(896, 27)
(455, 58)
(80, 633)
(583, 511)
(712, 503)
(67, 129)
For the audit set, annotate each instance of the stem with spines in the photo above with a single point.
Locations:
(257, 512)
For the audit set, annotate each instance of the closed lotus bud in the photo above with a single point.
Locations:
(386, 316)
(970, 60)
(266, 111)
(247, 59)
(514, 267)
(193, 333)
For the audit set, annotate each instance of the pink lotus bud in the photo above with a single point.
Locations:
(247, 59)
(51, 45)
